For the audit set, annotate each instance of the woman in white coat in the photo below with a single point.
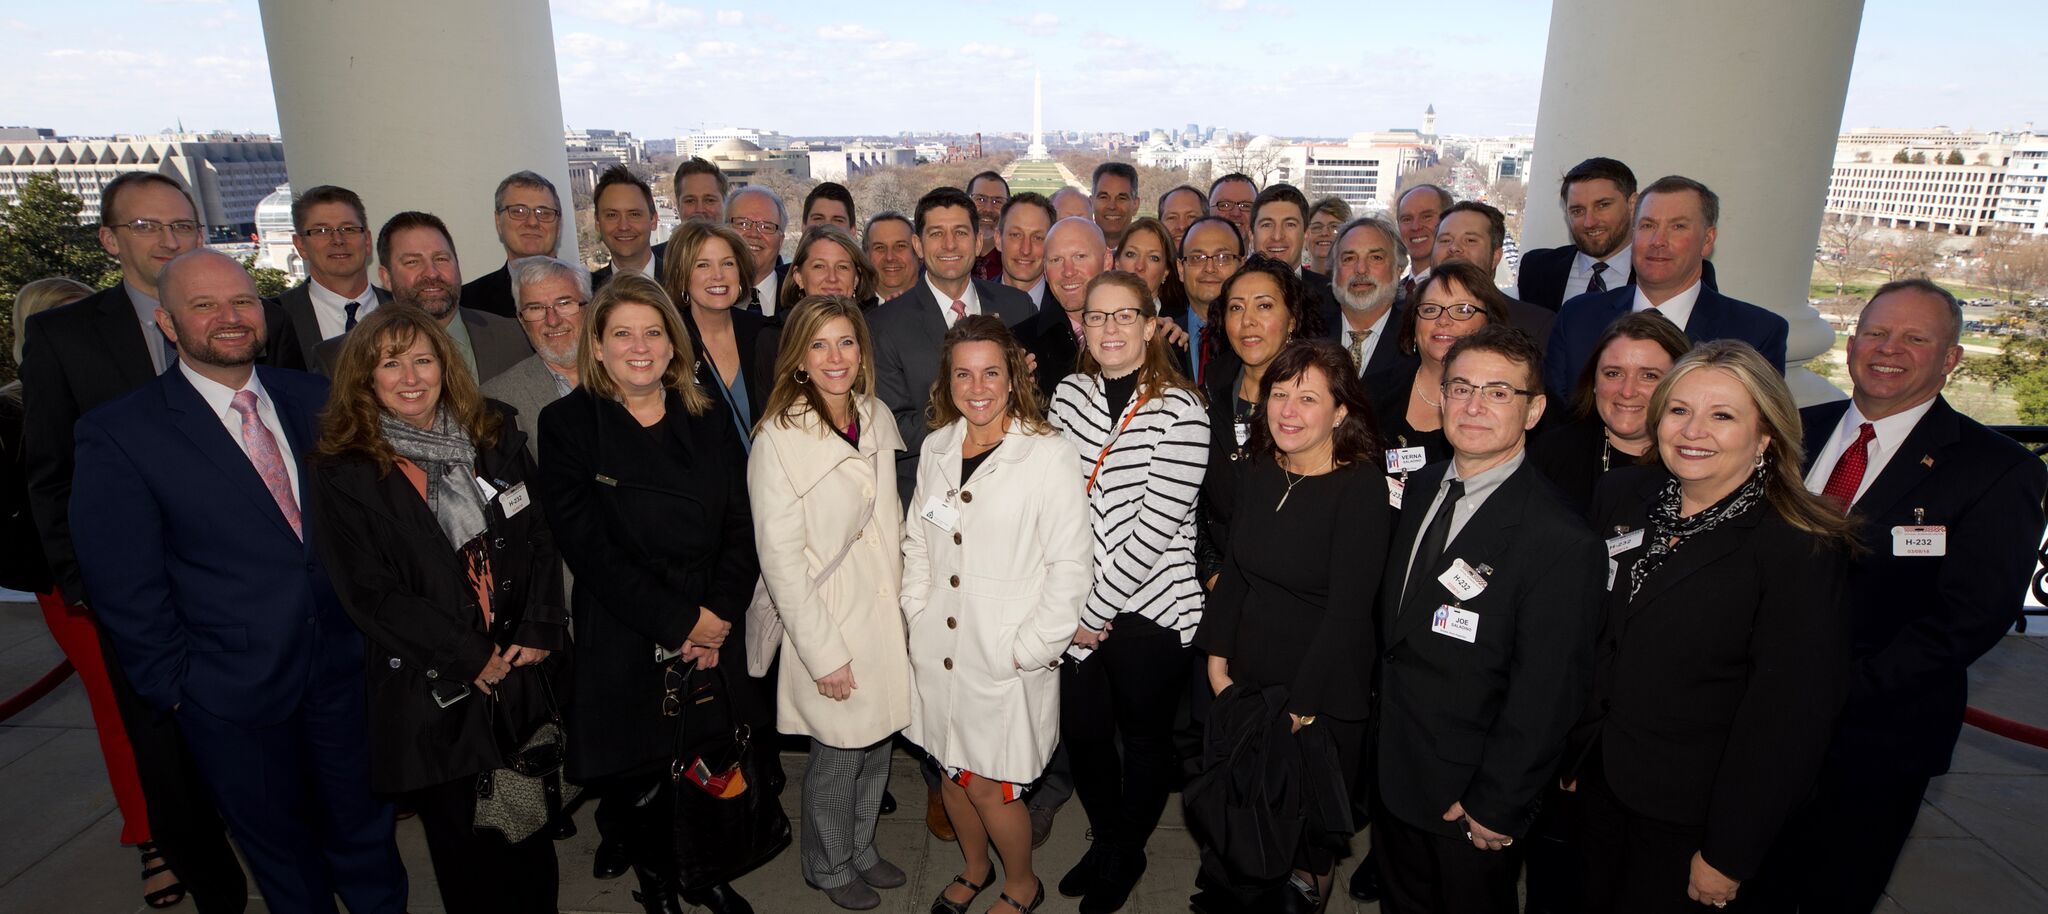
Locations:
(822, 482)
(996, 563)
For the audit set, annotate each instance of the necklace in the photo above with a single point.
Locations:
(1433, 404)
(1293, 480)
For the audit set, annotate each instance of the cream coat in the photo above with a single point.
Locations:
(808, 488)
(991, 609)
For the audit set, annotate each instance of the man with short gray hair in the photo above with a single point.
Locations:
(552, 294)
(528, 217)
(758, 215)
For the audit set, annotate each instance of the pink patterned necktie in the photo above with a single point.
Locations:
(268, 459)
(959, 310)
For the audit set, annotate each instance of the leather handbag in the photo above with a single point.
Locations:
(528, 793)
(764, 621)
(725, 820)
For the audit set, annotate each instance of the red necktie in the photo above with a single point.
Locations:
(1848, 474)
(269, 461)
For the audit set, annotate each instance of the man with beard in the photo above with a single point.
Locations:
(332, 235)
(888, 243)
(416, 260)
(626, 221)
(186, 515)
(1115, 189)
(1366, 257)
(551, 296)
(528, 217)
(1231, 197)
(1023, 225)
(1473, 232)
(990, 194)
(1595, 196)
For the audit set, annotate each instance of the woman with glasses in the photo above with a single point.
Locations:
(828, 262)
(428, 528)
(1142, 433)
(644, 483)
(707, 273)
(1456, 301)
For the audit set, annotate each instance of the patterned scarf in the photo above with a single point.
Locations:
(449, 459)
(1668, 531)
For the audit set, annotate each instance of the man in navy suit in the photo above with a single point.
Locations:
(1674, 235)
(758, 214)
(626, 223)
(186, 520)
(1596, 196)
(1951, 514)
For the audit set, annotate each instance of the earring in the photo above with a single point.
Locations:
(1760, 460)
(800, 376)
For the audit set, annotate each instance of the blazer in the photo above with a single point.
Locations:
(808, 489)
(409, 591)
(601, 275)
(654, 523)
(1049, 337)
(1484, 723)
(1544, 271)
(22, 566)
(1570, 452)
(757, 339)
(1714, 317)
(297, 304)
(1717, 685)
(76, 358)
(525, 389)
(909, 334)
(991, 603)
(499, 344)
(1917, 623)
(207, 594)
(491, 293)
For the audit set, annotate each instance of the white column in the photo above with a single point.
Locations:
(421, 106)
(1743, 95)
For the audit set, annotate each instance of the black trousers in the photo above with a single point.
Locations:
(1836, 855)
(1123, 698)
(478, 871)
(1631, 863)
(1552, 859)
(1422, 872)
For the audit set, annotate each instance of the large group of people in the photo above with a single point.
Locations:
(1574, 595)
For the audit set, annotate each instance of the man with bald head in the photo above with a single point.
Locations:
(190, 532)
(1075, 252)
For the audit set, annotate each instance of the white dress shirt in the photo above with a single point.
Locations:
(969, 298)
(220, 398)
(1619, 269)
(1891, 432)
(768, 286)
(1676, 309)
(330, 308)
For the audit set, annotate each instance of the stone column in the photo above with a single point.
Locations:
(1743, 95)
(421, 106)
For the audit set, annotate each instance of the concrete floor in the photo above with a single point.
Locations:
(1978, 846)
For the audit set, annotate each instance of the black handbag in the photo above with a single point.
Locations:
(726, 822)
(528, 794)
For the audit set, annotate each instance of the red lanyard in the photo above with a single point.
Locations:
(1133, 414)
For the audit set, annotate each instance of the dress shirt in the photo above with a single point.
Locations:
(562, 384)
(1676, 309)
(1619, 269)
(767, 288)
(1477, 489)
(330, 308)
(1036, 293)
(646, 269)
(221, 399)
(153, 338)
(969, 298)
(1891, 435)
(1365, 349)
(459, 335)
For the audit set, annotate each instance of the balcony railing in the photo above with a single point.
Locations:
(2034, 438)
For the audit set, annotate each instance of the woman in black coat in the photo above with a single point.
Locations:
(707, 275)
(1610, 425)
(644, 481)
(423, 515)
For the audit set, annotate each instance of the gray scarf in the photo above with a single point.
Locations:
(449, 459)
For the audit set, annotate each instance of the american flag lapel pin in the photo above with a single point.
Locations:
(1927, 461)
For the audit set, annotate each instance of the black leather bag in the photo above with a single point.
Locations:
(726, 821)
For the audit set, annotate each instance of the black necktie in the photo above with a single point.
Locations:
(1597, 284)
(754, 299)
(350, 323)
(1431, 550)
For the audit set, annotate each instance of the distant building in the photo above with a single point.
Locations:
(698, 142)
(1957, 186)
(274, 234)
(2023, 200)
(618, 144)
(228, 174)
(838, 163)
(743, 162)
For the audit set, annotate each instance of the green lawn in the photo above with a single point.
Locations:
(1823, 286)
(1972, 398)
(1041, 177)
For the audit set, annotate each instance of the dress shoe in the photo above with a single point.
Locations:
(854, 895)
(942, 905)
(657, 894)
(1087, 874)
(1041, 824)
(719, 899)
(1113, 882)
(1365, 881)
(564, 828)
(884, 875)
(935, 818)
(611, 860)
(888, 802)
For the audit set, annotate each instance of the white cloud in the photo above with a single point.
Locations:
(636, 13)
(583, 45)
(989, 51)
(731, 17)
(1228, 6)
(848, 32)
(717, 49)
(894, 50)
(1036, 23)
(678, 61)
(1103, 41)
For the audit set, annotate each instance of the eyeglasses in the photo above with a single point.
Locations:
(1496, 393)
(323, 232)
(1231, 207)
(672, 680)
(147, 228)
(519, 212)
(535, 312)
(754, 225)
(986, 200)
(1124, 317)
(1223, 261)
(1458, 312)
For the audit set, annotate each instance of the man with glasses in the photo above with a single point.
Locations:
(758, 215)
(332, 235)
(551, 295)
(1231, 197)
(989, 192)
(529, 224)
(1209, 253)
(1489, 609)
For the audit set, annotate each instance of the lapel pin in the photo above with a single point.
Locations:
(1485, 569)
(1927, 461)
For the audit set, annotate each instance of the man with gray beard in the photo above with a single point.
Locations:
(1364, 261)
(550, 296)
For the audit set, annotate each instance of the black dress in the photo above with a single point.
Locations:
(1390, 407)
(1574, 456)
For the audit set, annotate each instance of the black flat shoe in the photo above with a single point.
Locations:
(611, 860)
(888, 802)
(1004, 898)
(941, 905)
(1365, 881)
(1113, 885)
(153, 864)
(1087, 874)
(719, 899)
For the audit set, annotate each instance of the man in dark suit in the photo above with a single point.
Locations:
(891, 244)
(1597, 197)
(332, 235)
(528, 217)
(757, 213)
(991, 195)
(910, 330)
(1364, 260)
(1021, 229)
(1474, 232)
(1075, 252)
(416, 260)
(1488, 614)
(626, 220)
(1210, 250)
(76, 358)
(187, 520)
(1674, 234)
(1924, 604)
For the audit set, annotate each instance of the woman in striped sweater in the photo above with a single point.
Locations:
(1142, 434)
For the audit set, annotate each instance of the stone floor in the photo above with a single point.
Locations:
(1979, 845)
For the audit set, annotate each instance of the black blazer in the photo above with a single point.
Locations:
(1226, 461)
(410, 593)
(1050, 337)
(599, 276)
(909, 334)
(297, 305)
(1544, 271)
(1918, 623)
(22, 566)
(1484, 723)
(1714, 317)
(1390, 411)
(756, 337)
(492, 293)
(1717, 685)
(654, 523)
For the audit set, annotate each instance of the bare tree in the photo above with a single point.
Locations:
(1845, 248)
(1907, 253)
(2013, 264)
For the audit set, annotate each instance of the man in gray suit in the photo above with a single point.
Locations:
(332, 235)
(910, 330)
(550, 296)
(416, 260)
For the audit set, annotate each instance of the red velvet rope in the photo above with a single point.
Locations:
(35, 693)
(2010, 729)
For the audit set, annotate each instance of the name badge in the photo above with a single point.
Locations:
(1612, 567)
(1462, 581)
(940, 514)
(1395, 487)
(1928, 540)
(1617, 545)
(485, 487)
(1244, 431)
(514, 500)
(1406, 459)
(1462, 624)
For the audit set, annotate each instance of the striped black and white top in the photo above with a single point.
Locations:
(1142, 508)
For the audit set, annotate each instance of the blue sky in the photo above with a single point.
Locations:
(1286, 67)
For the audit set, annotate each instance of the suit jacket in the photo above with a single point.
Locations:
(1714, 317)
(208, 595)
(499, 344)
(492, 293)
(757, 338)
(1049, 336)
(603, 273)
(655, 523)
(1544, 272)
(1484, 723)
(1716, 686)
(909, 334)
(297, 304)
(1917, 623)
(526, 388)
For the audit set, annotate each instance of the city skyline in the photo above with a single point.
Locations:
(811, 69)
